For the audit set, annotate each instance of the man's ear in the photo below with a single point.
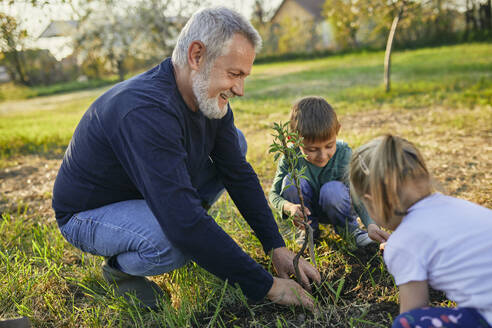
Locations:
(196, 55)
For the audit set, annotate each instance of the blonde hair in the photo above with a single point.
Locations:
(314, 119)
(381, 167)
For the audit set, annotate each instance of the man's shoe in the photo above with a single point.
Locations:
(145, 290)
(362, 239)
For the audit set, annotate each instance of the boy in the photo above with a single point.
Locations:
(326, 195)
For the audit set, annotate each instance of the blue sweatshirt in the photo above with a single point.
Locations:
(139, 140)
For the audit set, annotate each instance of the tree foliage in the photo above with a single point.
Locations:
(12, 38)
(367, 23)
(107, 34)
(347, 17)
(118, 32)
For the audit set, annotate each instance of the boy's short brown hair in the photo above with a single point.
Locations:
(314, 119)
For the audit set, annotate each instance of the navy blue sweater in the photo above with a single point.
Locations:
(140, 140)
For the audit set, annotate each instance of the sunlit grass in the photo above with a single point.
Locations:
(453, 76)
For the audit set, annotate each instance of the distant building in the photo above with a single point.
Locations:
(4, 75)
(306, 11)
(57, 28)
(58, 38)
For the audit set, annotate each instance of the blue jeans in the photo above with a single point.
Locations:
(333, 205)
(430, 317)
(129, 232)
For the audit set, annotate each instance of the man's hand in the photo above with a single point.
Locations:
(376, 234)
(289, 292)
(282, 262)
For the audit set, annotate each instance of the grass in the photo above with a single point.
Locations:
(441, 99)
(11, 91)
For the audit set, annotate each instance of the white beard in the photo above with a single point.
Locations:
(200, 83)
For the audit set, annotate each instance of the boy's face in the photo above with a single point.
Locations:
(319, 152)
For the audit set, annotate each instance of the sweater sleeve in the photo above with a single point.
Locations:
(275, 198)
(243, 185)
(149, 145)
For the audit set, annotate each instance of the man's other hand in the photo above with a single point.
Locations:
(289, 292)
(282, 262)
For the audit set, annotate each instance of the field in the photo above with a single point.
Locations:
(441, 99)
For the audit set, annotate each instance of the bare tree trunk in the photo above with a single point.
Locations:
(387, 54)
(18, 67)
(121, 70)
(488, 15)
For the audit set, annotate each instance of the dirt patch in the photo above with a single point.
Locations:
(27, 186)
(456, 145)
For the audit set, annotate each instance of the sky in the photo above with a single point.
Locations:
(36, 19)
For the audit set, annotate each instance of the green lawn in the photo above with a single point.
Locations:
(441, 99)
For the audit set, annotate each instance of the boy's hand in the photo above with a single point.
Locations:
(295, 211)
(376, 234)
(289, 292)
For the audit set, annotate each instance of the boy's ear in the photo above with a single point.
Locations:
(338, 129)
(196, 55)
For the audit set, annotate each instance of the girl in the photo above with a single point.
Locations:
(438, 240)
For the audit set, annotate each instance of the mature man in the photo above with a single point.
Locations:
(154, 152)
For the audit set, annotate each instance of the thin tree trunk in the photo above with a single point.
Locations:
(121, 70)
(19, 68)
(488, 14)
(387, 54)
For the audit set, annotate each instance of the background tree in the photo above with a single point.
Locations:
(12, 38)
(158, 29)
(478, 19)
(261, 19)
(126, 31)
(107, 34)
(346, 17)
(397, 10)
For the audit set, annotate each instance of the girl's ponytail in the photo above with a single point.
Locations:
(386, 178)
(390, 161)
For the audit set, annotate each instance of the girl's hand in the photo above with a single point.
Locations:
(376, 234)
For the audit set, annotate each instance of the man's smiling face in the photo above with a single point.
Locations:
(213, 87)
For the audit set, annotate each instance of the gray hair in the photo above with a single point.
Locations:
(214, 27)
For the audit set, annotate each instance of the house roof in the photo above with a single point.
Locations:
(314, 7)
(59, 28)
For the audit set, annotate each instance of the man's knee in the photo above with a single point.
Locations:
(160, 258)
(243, 145)
(335, 197)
